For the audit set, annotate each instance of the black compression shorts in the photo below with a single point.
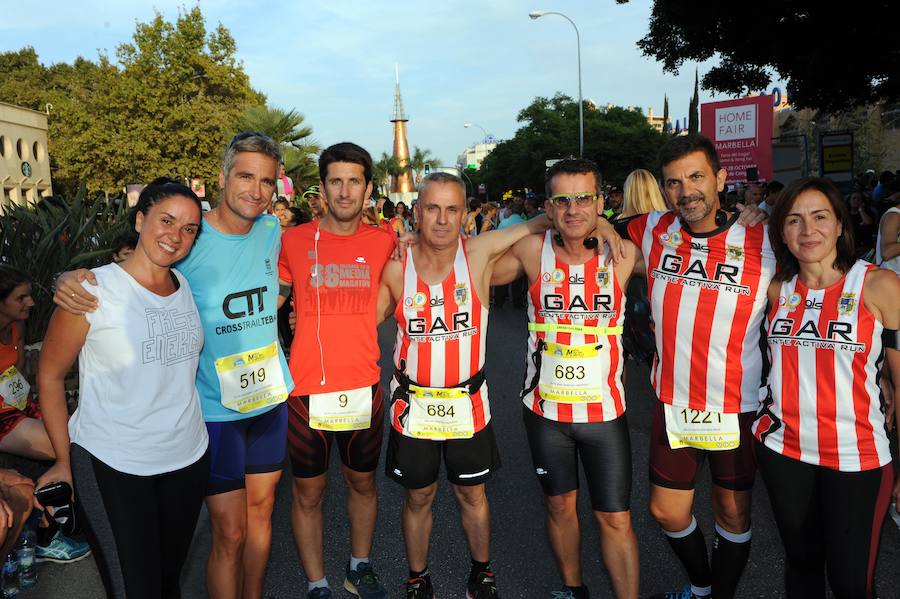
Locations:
(605, 452)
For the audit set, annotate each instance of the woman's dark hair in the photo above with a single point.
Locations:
(10, 278)
(157, 191)
(299, 216)
(788, 266)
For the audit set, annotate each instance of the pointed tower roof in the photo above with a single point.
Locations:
(399, 114)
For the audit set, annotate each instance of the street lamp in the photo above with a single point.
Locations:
(467, 125)
(537, 14)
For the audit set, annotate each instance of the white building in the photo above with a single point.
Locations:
(473, 157)
(24, 163)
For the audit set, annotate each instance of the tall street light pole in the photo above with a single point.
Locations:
(467, 125)
(537, 14)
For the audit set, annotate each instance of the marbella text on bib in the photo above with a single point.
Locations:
(341, 410)
(14, 388)
(251, 380)
(713, 431)
(439, 414)
(570, 374)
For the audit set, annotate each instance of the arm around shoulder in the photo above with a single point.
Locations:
(71, 296)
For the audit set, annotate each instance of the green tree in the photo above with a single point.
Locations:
(694, 109)
(420, 159)
(619, 140)
(802, 42)
(665, 113)
(166, 106)
(386, 167)
(287, 128)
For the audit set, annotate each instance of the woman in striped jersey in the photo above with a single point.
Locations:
(822, 431)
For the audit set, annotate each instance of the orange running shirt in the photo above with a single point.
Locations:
(336, 293)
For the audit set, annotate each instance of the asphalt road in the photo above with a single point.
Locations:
(521, 556)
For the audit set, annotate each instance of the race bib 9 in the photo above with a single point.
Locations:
(713, 431)
(14, 388)
(341, 410)
(570, 374)
(251, 380)
(440, 414)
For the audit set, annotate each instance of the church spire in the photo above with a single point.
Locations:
(399, 114)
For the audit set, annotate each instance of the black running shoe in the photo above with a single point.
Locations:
(419, 588)
(484, 586)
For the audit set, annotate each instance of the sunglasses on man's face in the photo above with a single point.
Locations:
(581, 200)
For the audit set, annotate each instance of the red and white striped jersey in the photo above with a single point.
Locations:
(441, 336)
(708, 299)
(579, 295)
(824, 405)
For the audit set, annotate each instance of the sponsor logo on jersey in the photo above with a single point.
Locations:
(733, 252)
(790, 302)
(269, 269)
(671, 239)
(693, 273)
(243, 303)
(696, 245)
(361, 259)
(576, 279)
(461, 294)
(602, 276)
(416, 302)
(838, 335)
(556, 277)
(847, 303)
(458, 326)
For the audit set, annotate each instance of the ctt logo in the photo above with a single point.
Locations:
(244, 303)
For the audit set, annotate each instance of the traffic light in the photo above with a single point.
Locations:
(427, 168)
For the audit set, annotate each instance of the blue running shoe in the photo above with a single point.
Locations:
(364, 583)
(319, 593)
(62, 550)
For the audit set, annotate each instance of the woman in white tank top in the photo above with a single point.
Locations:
(136, 446)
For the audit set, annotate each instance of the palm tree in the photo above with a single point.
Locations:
(382, 171)
(287, 128)
(420, 159)
(284, 126)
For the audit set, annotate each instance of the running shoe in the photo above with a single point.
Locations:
(566, 593)
(484, 586)
(684, 593)
(319, 593)
(419, 588)
(62, 550)
(364, 583)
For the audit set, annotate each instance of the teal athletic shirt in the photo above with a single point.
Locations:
(234, 279)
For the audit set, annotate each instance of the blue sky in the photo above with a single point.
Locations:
(460, 61)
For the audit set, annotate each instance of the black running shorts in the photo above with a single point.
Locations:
(605, 452)
(415, 463)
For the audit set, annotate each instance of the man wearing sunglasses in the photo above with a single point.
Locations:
(574, 400)
(243, 378)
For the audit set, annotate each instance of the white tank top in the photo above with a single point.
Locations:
(139, 411)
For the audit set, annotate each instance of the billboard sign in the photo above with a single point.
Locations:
(742, 133)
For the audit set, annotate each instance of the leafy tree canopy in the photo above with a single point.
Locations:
(166, 106)
(619, 140)
(832, 56)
